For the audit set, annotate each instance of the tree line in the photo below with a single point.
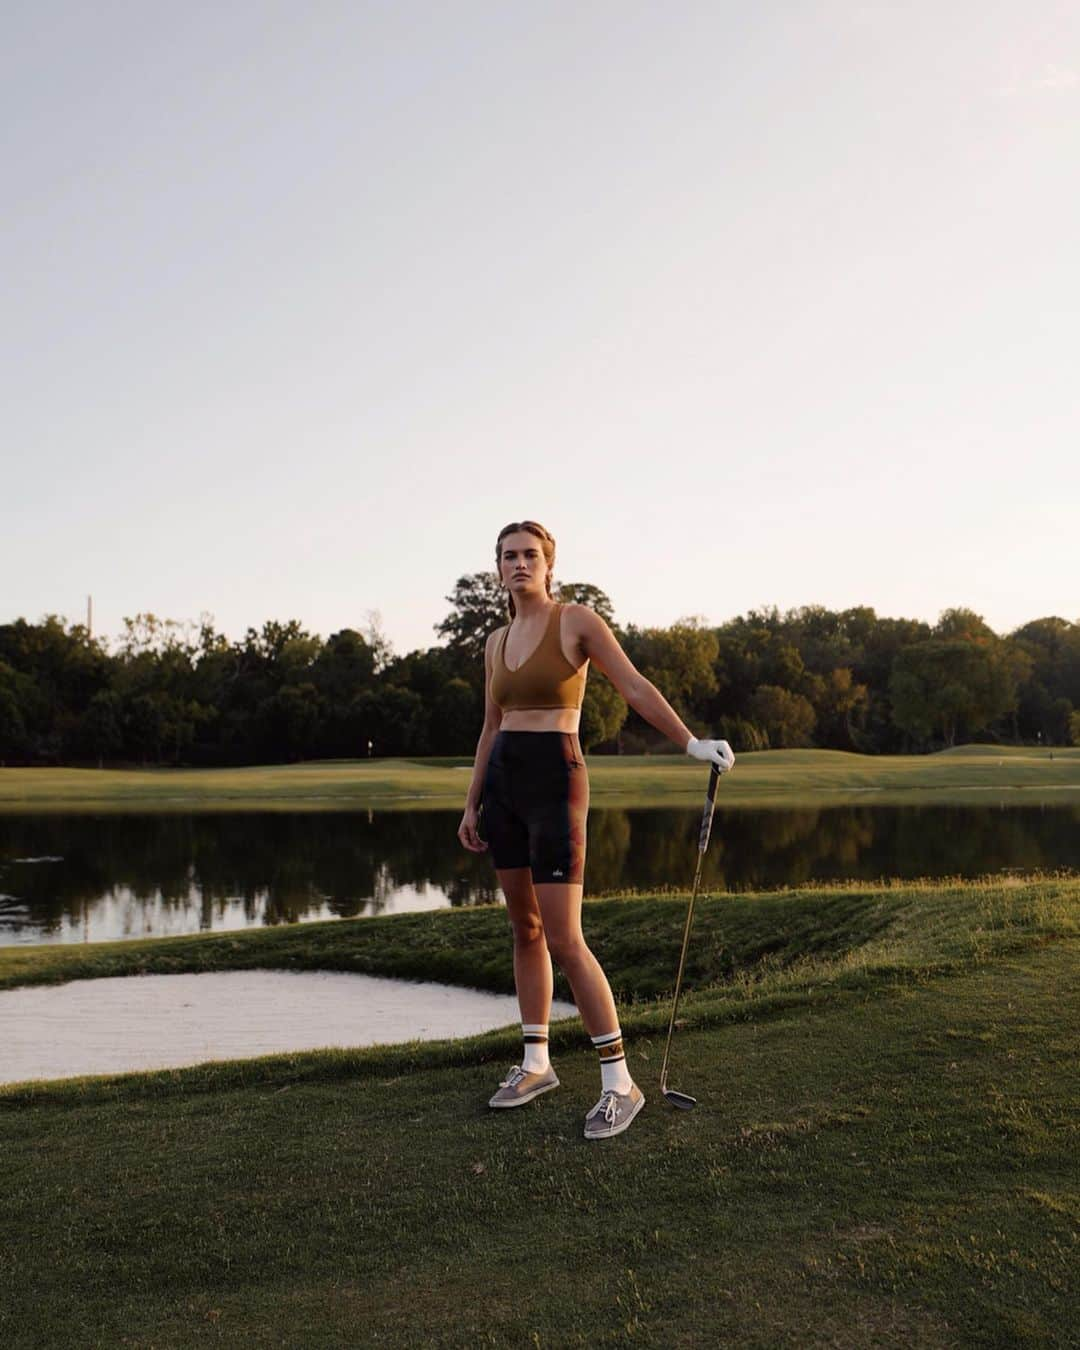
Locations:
(183, 694)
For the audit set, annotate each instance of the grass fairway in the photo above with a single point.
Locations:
(969, 775)
(884, 1152)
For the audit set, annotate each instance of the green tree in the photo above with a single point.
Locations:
(841, 710)
(946, 686)
(449, 721)
(603, 712)
(283, 645)
(287, 721)
(581, 593)
(266, 659)
(65, 669)
(455, 716)
(1052, 646)
(781, 664)
(145, 726)
(829, 638)
(393, 719)
(1060, 722)
(881, 646)
(147, 633)
(962, 623)
(14, 740)
(344, 665)
(427, 671)
(787, 718)
(679, 660)
(183, 719)
(101, 727)
(479, 607)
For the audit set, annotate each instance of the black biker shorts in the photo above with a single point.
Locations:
(534, 804)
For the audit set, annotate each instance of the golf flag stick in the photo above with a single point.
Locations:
(682, 1099)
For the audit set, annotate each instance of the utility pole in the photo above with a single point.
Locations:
(89, 617)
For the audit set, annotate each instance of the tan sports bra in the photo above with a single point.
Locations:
(545, 679)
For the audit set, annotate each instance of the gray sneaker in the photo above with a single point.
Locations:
(613, 1112)
(519, 1087)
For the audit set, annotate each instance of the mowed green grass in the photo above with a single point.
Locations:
(967, 775)
(884, 1151)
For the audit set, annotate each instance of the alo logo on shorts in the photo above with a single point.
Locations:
(557, 872)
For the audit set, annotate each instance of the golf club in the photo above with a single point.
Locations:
(682, 1099)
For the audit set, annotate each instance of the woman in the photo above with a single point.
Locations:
(530, 780)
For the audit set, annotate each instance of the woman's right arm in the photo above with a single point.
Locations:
(492, 722)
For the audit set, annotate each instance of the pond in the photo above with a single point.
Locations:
(93, 877)
(134, 1023)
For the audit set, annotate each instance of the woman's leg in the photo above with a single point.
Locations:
(559, 909)
(532, 962)
(620, 1100)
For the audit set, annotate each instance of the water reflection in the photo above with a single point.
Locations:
(93, 877)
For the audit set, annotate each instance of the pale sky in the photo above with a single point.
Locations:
(748, 304)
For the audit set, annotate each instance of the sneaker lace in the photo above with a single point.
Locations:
(608, 1104)
(516, 1074)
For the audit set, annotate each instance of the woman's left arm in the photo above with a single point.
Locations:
(602, 648)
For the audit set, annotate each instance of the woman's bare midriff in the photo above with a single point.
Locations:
(541, 719)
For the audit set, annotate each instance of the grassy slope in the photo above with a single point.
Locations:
(969, 774)
(883, 1154)
(870, 928)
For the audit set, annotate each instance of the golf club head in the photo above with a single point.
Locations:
(680, 1099)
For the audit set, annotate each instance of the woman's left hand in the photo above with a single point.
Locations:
(713, 752)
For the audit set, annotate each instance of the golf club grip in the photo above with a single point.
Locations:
(707, 814)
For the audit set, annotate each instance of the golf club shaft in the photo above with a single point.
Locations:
(703, 843)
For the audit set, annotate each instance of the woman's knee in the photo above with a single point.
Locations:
(521, 907)
(568, 949)
(527, 929)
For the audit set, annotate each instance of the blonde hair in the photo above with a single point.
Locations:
(547, 542)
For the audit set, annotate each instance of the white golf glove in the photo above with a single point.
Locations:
(714, 752)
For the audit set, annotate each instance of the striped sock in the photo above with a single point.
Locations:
(536, 1047)
(613, 1070)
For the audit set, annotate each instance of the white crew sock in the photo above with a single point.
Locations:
(536, 1047)
(613, 1070)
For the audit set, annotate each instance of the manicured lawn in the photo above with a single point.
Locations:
(884, 1151)
(970, 775)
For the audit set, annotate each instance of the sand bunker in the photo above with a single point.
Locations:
(131, 1023)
